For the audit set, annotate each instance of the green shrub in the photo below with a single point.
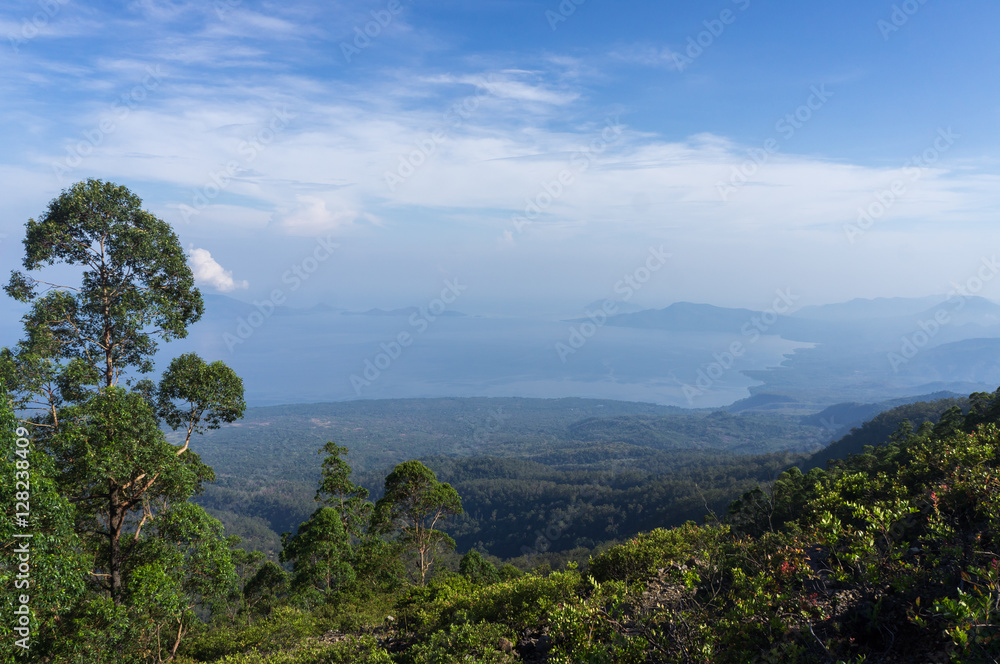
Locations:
(518, 603)
(641, 557)
(479, 643)
(477, 569)
(591, 630)
(283, 628)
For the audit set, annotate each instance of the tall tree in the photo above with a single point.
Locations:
(136, 283)
(414, 505)
(322, 551)
(338, 491)
(85, 346)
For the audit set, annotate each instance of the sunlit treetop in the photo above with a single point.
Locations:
(136, 283)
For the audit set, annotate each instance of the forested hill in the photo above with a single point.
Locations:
(886, 556)
(605, 470)
(878, 430)
(842, 418)
(648, 460)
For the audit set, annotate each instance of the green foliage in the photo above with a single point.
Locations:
(321, 552)
(413, 506)
(642, 557)
(136, 283)
(262, 591)
(209, 394)
(353, 650)
(56, 578)
(477, 569)
(518, 604)
(592, 628)
(282, 629)
(878, 429)
(480, 643)
(337, 490)
(148, 565)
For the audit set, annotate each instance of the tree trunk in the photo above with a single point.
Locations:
(116, 517)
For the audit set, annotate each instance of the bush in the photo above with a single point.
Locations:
(481, 643)
(283, 628)
(517, 603)
(363, 650)
(640, 558)
(591, 630)
(520, 603)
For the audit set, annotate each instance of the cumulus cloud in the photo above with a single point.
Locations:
(208, 271)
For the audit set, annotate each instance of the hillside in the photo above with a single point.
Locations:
(880, 428)
(649, 462)
(885, 557)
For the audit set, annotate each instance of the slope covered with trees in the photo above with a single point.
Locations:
(886, 556)
(879, 428)
(542, 455)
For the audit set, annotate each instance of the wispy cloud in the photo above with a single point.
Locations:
(508, 120)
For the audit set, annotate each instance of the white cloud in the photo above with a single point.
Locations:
(209, 272)
(207, 139)
(509, 84)
(310, 214)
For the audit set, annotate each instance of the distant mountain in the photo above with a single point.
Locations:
(970, 310)
(405, 311)
(860, 308)
(970, 360)
(687, 317)
(875, 323)
(620, 307)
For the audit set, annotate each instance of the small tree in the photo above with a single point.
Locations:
(336, 490)
(414, 505)
(262, 591)
(321, 553)
(477, 569)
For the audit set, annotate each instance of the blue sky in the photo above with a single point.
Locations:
(744, 137)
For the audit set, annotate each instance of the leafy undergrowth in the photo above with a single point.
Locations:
(889, 556)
